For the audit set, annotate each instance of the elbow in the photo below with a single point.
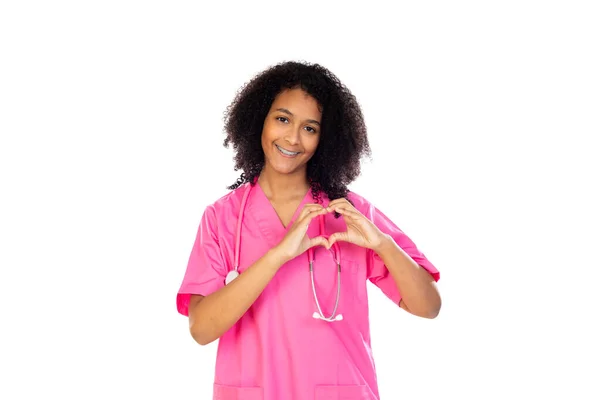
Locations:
(200, 336)
(200, 340)
(429, 312)
(432, 306)
(433, 311)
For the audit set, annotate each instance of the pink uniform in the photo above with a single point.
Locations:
(277, 350)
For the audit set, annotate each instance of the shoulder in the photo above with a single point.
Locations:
(360, 203)
(224, 204)
(366, 207)
(231, 198)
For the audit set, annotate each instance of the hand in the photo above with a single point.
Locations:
(360, 230)
(296, 241)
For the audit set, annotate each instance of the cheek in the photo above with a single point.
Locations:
(270, 133)
(266, 137)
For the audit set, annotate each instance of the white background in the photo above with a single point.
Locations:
(482, 118)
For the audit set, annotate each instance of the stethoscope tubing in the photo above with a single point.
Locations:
(311, 261)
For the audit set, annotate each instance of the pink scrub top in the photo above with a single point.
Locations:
(277, 350)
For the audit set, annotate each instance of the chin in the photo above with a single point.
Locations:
(284, 169)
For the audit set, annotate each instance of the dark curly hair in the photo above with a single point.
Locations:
(343, 140)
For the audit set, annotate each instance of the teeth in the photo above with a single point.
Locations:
(287, 153)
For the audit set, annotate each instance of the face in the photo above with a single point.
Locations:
(291, 131)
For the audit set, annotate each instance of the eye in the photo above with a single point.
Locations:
(311, 129)
(282, 119)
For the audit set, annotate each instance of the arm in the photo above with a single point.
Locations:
(419, 291)
(416, 285)
(211, 316)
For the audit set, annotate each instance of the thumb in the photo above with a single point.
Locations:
(343, 236)
(319, 241)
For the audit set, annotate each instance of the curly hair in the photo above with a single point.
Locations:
(343, 140)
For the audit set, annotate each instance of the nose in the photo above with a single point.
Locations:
(292, 136)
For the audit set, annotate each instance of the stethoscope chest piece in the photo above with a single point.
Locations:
(231, 276)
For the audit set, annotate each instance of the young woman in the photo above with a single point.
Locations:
(279, 266)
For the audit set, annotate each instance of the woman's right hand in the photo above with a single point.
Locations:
(296, 241)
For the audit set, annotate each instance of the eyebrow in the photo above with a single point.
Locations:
(288, 112)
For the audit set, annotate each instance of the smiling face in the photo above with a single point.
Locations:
(291, 132)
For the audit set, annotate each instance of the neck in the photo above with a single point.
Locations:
(283, 186)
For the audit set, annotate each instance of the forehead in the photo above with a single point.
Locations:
(298, 102)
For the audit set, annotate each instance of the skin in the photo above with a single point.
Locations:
(420, 295)
(293, 123)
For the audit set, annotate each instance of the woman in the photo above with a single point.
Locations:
(290, 328)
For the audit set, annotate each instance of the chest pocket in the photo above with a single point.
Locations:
(354, 277)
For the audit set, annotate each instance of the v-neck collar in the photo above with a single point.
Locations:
(307, 197)
(266, 217)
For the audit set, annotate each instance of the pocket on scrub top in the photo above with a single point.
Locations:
(224, 392)
(353, 278)
(343, 392)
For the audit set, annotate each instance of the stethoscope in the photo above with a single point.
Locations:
(311, 260)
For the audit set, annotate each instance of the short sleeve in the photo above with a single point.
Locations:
(206, 269)
(377, 272)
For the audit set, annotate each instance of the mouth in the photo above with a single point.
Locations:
(287, 153)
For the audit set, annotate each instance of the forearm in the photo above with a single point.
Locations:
(417, 286)
(219, 311)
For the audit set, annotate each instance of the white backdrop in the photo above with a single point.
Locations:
(481, 118)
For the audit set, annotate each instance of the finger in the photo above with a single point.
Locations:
(338, 236)
(339, 201)
(312, 205)
(342, 204)
(307, 216)
(347, 211)
(319, 241)
(309, 208)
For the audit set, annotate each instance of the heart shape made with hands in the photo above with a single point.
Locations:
(359, 229)
(333, 248)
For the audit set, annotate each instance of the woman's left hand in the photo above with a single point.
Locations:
(360, 230)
